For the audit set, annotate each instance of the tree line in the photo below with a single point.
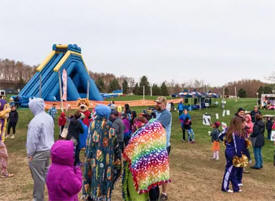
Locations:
(248, 88)
(15, 74)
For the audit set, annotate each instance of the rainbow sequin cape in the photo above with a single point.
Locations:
(147, 157)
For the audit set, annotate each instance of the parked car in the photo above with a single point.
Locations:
(11, 91)
(2, 92)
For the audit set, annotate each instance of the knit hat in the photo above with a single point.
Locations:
(217, 124)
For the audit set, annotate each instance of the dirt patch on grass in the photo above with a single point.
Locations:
(194, 177)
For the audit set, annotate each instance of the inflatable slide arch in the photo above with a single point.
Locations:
(66, 57)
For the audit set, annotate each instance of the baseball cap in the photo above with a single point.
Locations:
(161, 99)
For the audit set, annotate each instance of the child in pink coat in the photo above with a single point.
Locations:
(64, 180)
(249, 124)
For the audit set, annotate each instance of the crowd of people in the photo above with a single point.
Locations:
(113, 138)
(245, 128)
(120, 143)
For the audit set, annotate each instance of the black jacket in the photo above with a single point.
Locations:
(269, 125)
(74, 130)
(13, 117)
(253, 115)
(258, 133)
(215, 135)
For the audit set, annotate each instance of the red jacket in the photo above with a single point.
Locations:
(62, 119)
(87, 120)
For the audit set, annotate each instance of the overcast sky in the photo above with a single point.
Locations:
(216, 41)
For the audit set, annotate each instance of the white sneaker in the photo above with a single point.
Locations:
(240, 185)
(13, 136)
(230, 191)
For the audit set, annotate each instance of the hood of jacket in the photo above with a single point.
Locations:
(249, 118)
(103, 111)
(62, 152)
(36, 105)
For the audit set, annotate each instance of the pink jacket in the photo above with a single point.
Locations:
(249, 125)
(64, 180)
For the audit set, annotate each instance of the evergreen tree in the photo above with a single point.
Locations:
(114, 85)
(136, 89)
(267, 89)
(100, 84)
(164, 90)
(260, 91)
(144, 82)
(125, 87)
(156, 90)
(242, 93)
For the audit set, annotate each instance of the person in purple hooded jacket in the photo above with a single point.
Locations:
(64, 180)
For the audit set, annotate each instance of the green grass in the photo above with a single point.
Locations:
(201, 131)
(201, 176)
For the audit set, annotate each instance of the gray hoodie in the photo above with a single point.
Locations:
(119, 127)
(40, 135)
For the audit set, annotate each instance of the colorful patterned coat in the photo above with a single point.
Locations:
(103, 161)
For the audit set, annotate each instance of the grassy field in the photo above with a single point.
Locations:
(194, 176)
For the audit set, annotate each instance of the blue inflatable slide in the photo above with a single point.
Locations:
(62, 57)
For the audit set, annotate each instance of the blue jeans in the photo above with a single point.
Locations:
(191, 135)
(258, 156)
(269, 134)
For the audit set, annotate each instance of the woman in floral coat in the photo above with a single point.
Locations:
(102, 165)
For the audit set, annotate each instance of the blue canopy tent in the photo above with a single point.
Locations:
(207, 100)
(186, 95)
(200, 100)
